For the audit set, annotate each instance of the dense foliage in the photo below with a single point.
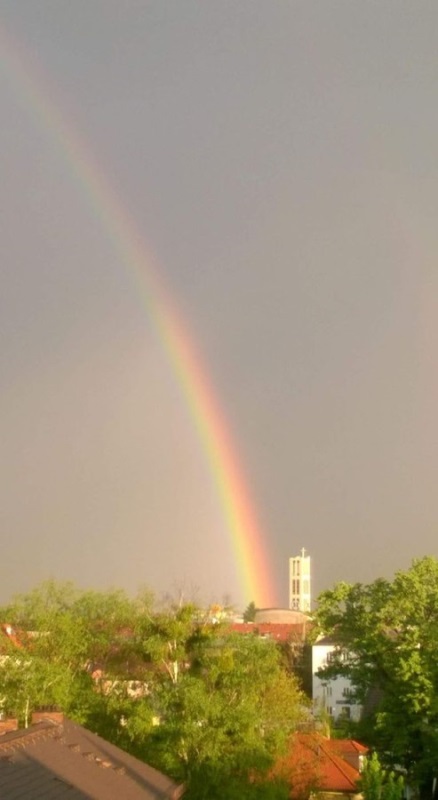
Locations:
(377, 783)
(387, 638)
(250, 612)
(171, 685)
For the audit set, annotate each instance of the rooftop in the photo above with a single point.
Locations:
(57, 760)
(279, 631)
(315, 763)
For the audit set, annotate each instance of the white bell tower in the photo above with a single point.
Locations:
(299, 582)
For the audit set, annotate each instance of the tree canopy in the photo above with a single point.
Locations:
(386, 634)
(250, 612)
(377, 783)
(170, 684)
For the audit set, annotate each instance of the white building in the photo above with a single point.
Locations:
(299, 582)
(331, 697)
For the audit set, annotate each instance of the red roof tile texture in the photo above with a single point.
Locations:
(279, 631)
(315, 763)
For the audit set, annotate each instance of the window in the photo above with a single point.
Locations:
(336, 655)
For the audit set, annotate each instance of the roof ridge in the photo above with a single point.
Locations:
(24, 736)
(340, 763)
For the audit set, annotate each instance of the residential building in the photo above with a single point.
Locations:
(333, 697)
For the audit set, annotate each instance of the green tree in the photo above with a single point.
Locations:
(377, 783)
(250, 612)
(226, 706)
(110, 619)
(214, 709)
(63, 636)
(50, 653)
(171, 638)
(387, 637)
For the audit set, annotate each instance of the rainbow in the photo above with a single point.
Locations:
(33, 89)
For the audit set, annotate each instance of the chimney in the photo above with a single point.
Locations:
(47, 716)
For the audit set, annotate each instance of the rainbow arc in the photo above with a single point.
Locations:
(32, 88)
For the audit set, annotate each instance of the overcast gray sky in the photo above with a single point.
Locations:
(280, 161)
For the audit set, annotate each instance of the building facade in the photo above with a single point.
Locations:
(332, 697)
(300, 583)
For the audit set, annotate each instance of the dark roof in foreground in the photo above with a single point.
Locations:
(64, 761)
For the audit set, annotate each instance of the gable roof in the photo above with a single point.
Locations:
(314, 763)
(348, 749)
(344, 746)
(325, 641)
(64, 760)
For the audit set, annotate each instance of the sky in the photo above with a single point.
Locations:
(278, 160)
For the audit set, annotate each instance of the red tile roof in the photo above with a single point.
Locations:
(279, 631)
(343, 746)
(314, 763)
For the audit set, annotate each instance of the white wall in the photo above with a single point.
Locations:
(330, 696)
